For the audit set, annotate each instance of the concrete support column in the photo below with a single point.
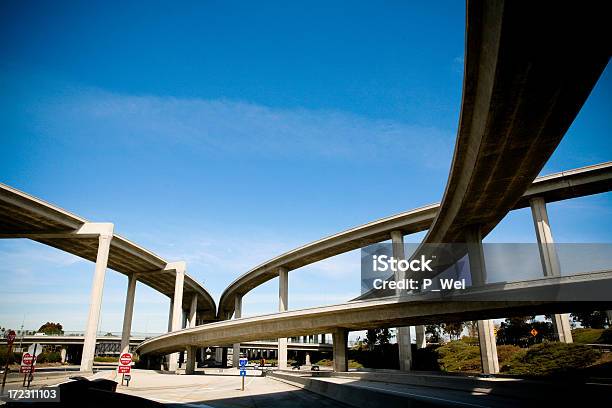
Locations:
(219, 355)
(563, 328)
(283, 305)
(403, 333)
(405, 348)
(170, 314)
(488, 347)
(192, 356)
(63, 354)
(193, 311)
(95, 302)
(224, 357)
(340, 338)
(128, 313)
(550, 261)
(237, 315)
(546, 244)
(421, 341)
(307, 359)
(191, 360)
(486, 334)
(177, 307)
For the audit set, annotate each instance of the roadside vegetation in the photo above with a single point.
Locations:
(526, 346)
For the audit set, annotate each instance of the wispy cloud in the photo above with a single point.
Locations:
(234, 127)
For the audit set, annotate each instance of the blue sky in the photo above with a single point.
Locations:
(225, 133)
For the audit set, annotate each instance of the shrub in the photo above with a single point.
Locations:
(606, 337)
(550, 359)
(586, 336)
(354, 364)
(14, 358)
(464, 355)
(328, 363)
(459, 355)
(102, 359)
(505, 352)
(49, 357)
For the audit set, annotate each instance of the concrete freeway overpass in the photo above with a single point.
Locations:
(25, 216)
(554, 187)
(525, 79)
(394, 311)
(516, 107)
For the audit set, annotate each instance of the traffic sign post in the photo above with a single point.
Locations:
(243, 363)
(10, 339)
(28, 361)
(125, 367)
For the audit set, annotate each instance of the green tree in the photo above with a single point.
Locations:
(517, 330)
(433, 331)
(453, 329)
(472, 328)
(595, 320)
(384, 335)
(51, 329)
(371, 338)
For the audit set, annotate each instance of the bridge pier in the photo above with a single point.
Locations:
(478, 271)
(177, 307)
(421, 342)
(89, 346)
(488, 347)
(404, 342)
(191, 360)
(193, 309)
(283, 297)
(340, 350)
(237, 315)
(550, 261)
(192, 320)
(128, 314)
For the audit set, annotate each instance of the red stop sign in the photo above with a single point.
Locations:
(125, 359)
(10, 338)
(27, 359)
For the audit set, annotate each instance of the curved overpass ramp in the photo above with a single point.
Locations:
(554, 187)
(470, 304)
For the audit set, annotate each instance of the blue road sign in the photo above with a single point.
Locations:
(243, 362)
(243, 373)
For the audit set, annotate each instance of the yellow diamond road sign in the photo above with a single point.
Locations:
(534, 332)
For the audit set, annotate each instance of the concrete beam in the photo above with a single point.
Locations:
(87, 230)
(283, 306)
(95, 303)
(128, 313)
